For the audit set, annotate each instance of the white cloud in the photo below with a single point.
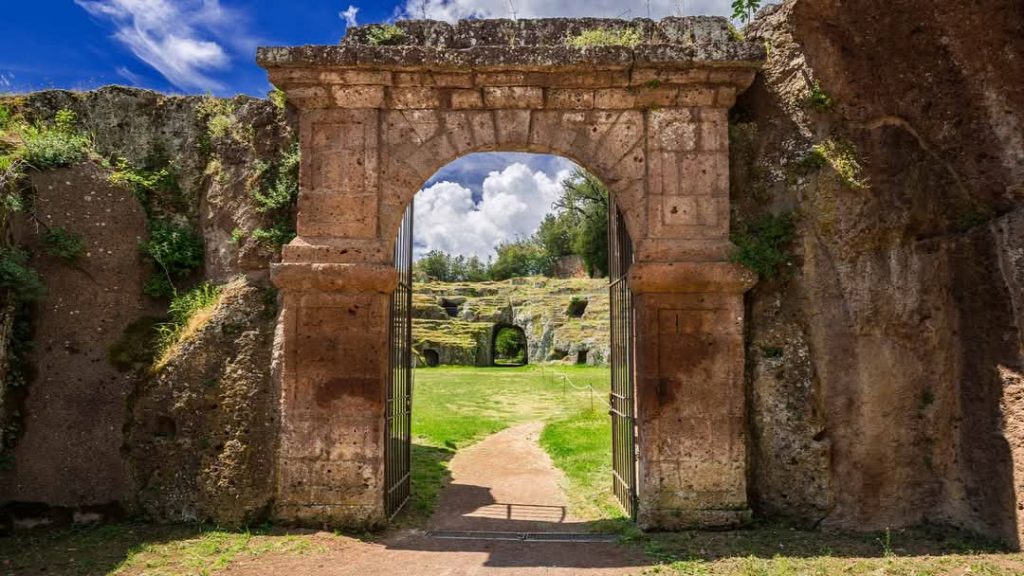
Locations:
(133, 78)
(181, 39)
(452, 10)
(512, 205)
(5, 79)
(349, 15)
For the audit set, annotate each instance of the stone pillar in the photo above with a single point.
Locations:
(690, 396)
(689, 329)
(332, 362)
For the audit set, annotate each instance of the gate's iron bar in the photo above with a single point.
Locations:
(398, 432)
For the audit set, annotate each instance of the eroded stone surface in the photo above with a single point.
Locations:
(650, 122)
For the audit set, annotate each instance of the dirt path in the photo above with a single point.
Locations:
(505, 483)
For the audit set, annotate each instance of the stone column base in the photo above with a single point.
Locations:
(677, 519)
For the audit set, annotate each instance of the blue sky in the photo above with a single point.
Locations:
(208, 46)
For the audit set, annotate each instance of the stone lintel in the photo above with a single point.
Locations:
(690, 277)
(336, 278)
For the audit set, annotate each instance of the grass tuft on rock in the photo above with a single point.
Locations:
(188, 313)
(628, 37)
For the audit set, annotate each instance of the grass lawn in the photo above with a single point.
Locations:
(456, 406)
(145, 549)
(775, 550)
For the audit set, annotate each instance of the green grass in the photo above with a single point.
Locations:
(150, 550)
(580, 445)
(454, 407)
(778, 550)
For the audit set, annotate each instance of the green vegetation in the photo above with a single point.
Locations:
(184, 311)
(61, 242)
(275, 191)
(278, 98)
(16, 277)
(743, 10)
(580, 445)
(443, 267)
(763, 245)
(6, 116)
(55, 145)
(779, 550)
(521, 258)
(145, 185)
(218, 117)
(150, 550)
(456, 406)
(629, 37)
(176, 251)
(510, 346)
(384, 35)
(819, 99)
(842, 157)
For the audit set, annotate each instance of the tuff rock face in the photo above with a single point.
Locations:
(883, 372)
(201, 436)
(885, 369)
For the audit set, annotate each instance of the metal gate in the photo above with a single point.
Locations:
(397, 429)
(623, 404)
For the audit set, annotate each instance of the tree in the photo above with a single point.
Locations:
(434, 265)
(743, 10)
(521, 258)
(584, 204)
(555, 234)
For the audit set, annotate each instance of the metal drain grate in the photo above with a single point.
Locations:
(523, 536)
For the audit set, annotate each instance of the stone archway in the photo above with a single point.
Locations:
(650, 121)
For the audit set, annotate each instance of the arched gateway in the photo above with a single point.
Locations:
(650, 121)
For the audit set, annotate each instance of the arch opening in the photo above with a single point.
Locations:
(509, 346)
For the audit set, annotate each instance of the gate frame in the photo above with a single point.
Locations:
(651, 122)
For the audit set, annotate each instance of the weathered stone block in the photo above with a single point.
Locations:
(358, 96)
(570, 98)
(403, 98)
(467, 99)
(335, 214)
(513, 97)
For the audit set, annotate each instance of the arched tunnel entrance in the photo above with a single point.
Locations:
(509, 346)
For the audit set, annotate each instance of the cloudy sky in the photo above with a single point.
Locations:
(208, 46)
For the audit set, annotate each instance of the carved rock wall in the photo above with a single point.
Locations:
(885, 369)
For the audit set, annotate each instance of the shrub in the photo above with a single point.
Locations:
(762, 246)
(384, 35)
(182, 311)
(142, 183)
(17, 277)
(176, 251)
(279, 183)
(61, 242)
(629, 37)
(276, 236)
(277, 98)
(6, 117)
(56, 145)
(819, 99)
